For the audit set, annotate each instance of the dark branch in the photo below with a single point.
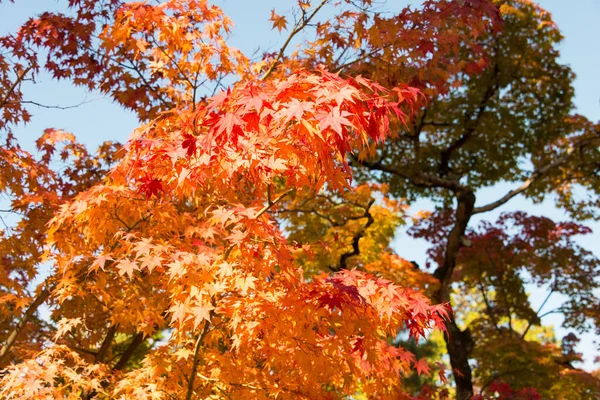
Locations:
(470, 126)
(31, 310)
(418, 179)
(110, 335)
(535, 175)
(356, 239)
(135, 342)
(300, 25)
(196, 360)
(35, 103)
(12, 89)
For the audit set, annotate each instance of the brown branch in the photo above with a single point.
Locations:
(459, 343)
(16, 83)
(110, 335)
(199, 342)
(486, 300)
(31, 310)
(135, 342)
(271, 203)
(156, 91)
(300, 25)
(470, 126)
(99, 357)
(173, 61)
(418, 179)
(464, 211)
(35, 103)
(39, 300)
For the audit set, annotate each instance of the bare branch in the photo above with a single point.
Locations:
(35, 103)
(538, 311)
(535, 175)
(417, 178)
(300, 25)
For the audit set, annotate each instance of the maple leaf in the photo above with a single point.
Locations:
(334, 119)
(422, 366)
(100, 262)
(279, 21)
(65, 325)
(151, 187)
(202, 313)
(189, 143)
(230, 123)
(127, 267)
(296, 109)
(420, 304)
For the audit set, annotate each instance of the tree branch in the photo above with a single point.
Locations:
(536, 174)
(538, 312)
(271, 203)
(470, 126)
(110, 335)
(199, 342)
(356, 238)
(135, 342)
(31, 310)
(488, 305)
(300, 25)
(418, 179)
(35, 103)
(16, 83)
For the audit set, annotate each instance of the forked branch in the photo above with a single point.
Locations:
(298, 27)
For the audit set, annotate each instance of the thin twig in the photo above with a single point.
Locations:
(299, 27)
(35, 103)
(271, 203)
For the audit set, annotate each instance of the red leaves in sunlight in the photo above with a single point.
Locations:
(300, 128)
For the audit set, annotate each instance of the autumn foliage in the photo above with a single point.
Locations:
(239, 245)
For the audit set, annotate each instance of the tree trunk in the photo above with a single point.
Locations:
(459, 344)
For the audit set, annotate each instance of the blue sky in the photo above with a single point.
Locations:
(98, 119)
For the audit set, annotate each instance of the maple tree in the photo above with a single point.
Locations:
(224, 251)
(178, 235)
